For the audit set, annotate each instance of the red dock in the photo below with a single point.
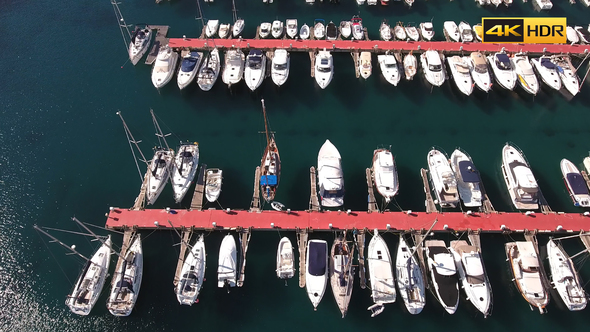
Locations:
(325, 221)
(374, 45)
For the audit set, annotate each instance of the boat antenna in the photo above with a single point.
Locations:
(123, 27)
(265, 122)
(97, 237)
(71, 248)
(159, 134)
(131, 140)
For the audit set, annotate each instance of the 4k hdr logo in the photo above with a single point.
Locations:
(524, 30)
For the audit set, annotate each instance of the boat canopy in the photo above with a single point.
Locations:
(468, 171)
(317, 258)
(479, 62)
(445, 264)
(188, 64)
(331, 171)
(460, 65)
(577, 183)
(474, 269)
(525, 66)
(255, 53)
(268, 180)
(545, 62)
(523, 176)
(503, 61)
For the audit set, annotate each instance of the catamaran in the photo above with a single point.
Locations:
(526, 267)
(526, 76)
(227, 265)
(478, 66)
(575, 183)
(565, 278)
(127, 280)
(385, 174)
(192, 274)
(164, 67)
(316, 271)
(285, 259)
(330, 176)
(519, 178)
(279, 71)
(410, 279)
(380, 274)
(233, 70)
(444, 183)
(140, 42)
(184, 169)
(189, 68)
(341, 272)
(270, 165)
(443, 275)
(468, 178)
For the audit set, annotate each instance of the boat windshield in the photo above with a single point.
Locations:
(324, 65)
(503, 62)
(188, 64)
(432, 67)
(391, 65)
(255, 62)
(280, 66)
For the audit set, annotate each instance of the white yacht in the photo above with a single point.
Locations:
(316, 270)
(472, 275)
(264, 30)
(412, 33)
(358, 31)
(461, 74)
(543, 4)
(575, 183)
(478, 31)
(209, 71)
(233, 70)
(503, 70)
(365, 67)
(444, 183)
(385, 174)
(140, 42)
(443, 274)
(292, 28)
(410, 279)
(380, 274)
(583, 34)
(571, 35)
(586, 2)
(213, 185)
(565, 278)
(158, 174)
(330, 176)
(399, 32)
(285, 259)
(389, 68)
(255, 70)
(238, 27)
(192, 274)
(427, 31)
(466, 32)
(433, 68)
(88, 287)
(164, 67)
(507, 3)
(385, 31)
(496, 2)
(227, 265)
(341, 273)
(224, 30)
(189, 68)
(478, 66)
(409, 2)
(324, 68)
(127, 280)
(548, 71)
(526, 267)
(280, 67)
(184, 169)
(304, 32)
(410, 66)
(211, 28)
(468, 179)
(526, 76)
(452, 31)
(345, 29)
(567, 73)
(277, 29)
(319, 29)
(519, 178)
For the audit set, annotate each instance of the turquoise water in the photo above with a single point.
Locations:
(64, 75)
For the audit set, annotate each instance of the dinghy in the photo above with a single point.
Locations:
(285, 259)
(213, 186)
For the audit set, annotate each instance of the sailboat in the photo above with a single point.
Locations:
(184, 169)
(380, 274)
(565, 278)
(140, 42)
(341, 273)
(270, 165)
(159, 170)
(127, 280)
(410, 279)
(192, 274)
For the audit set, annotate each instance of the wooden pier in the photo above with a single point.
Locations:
(312, 60)
(244, 235)
(302, 246)
(197, 201)
(474, 239)
(314, 204)
(140, 200)
(429, 202)
(418, 239)
(160, 40)
(585, 238)
(360, 245)
(255, 204)
(185, 238)
(127, 238)
(356, 58)
(372, 204)
(531, 236)
(585, 176)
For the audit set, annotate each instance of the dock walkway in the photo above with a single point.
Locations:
(197, 201)
(302, 245)
(160, 40)
(314, 203)
(429, 202)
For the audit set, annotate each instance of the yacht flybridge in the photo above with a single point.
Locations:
(526, 76)
(478, 66)
(461, 74)
(164, 67)
(519, 178)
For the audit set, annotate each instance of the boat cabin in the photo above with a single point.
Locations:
(503, 61)
(480, 64)
(254, 59)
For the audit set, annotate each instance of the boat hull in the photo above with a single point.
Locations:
(285, 259)
(192, 274)
(127, 281)
(410, 279)
(316, 273)
(227, 264)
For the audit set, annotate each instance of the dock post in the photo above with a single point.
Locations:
(372, 204)
(360, 244)
(314, 204)
(302, 246)
(429, 202)
(244, 235)
(197, 201)
(255, 205)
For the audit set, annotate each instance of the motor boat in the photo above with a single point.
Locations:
(472, 275)
(224, 30)
(324, 68)
(478, 31)
(380, 274)
(583, 34)
(265, 30)
(330, 176)
(461, 74)
(88, 287)
(412, 33)
(184, 169)
(548, 71)
(280, 67)
(188, 68)
(238, 27)
(358, 32)
(372, 2)
(158, 174)
(319, 29)
(270, 163)
(571, 35)
(444, 183)
(389, 68)
(443, 274)
(213, 184)
(227, 264)
(410, 66)
(466, 32)
(524, 71)
(164, 67)
(478, 66)
(140, 42)
(331, 31)
(209, 71)
(365, 67)
(452, 31)
(575, 183)
(384, 2)
(341, 273)
(304, 32)
(360, 2)
(586, 2)
(277, 29)
(127, 280)
(316, 270)
(567, 73)
(433, 67)
(504, 72)
(565, 278)
(385, 174)
(291, 28)
(345, 29)
(410, 279)
(255, 69)
(409, 2)
(483, 2)
(427, 30)
(385, 31)
(496, 2)
(526, 270)
(399, 32)
(285, 259)
(233, 70)
(520, 181)
(192, 274)
(468, 179)
(211, 28)
(507, 3)
(543, 4)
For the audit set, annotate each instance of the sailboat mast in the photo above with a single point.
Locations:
(235, 12)
(265, 123)
(71, 248)
(123, 27)
(96, 236)
(131, 139)
(159, 133)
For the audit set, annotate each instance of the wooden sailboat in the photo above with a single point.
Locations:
(270, 165)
